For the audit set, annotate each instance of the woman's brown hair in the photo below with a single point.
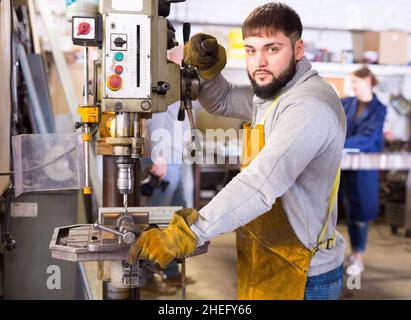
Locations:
(364, 72)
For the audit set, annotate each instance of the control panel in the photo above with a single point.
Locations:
(127, 56)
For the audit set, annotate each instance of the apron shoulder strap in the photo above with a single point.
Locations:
(330, 243)
(271, 108)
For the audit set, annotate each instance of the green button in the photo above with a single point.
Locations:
(119, 56)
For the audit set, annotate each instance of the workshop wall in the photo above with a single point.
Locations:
(326, 23)
(348, 14)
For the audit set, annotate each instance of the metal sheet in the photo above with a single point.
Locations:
(27, 269)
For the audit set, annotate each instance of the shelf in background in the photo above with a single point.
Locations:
(339, 68)
(379, 70)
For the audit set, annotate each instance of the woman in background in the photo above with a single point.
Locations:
(360, 189)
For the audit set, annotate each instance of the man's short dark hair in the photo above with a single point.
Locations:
(271, 18)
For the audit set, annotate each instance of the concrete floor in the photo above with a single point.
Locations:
(387, 272)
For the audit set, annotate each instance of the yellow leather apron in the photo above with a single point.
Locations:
(272, 263)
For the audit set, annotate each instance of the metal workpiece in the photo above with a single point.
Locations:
(159, 216)
(124, 219)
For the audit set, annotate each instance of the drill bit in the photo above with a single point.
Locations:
(125, 202)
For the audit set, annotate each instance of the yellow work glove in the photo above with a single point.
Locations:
(163, 245)
(204, 53)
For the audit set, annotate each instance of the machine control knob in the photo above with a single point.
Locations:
(84, 28)
(114, 82)
(119, 42)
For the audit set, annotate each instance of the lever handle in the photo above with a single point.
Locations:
(195, 141)
(181, 112)
(128, 237)
(186, 31)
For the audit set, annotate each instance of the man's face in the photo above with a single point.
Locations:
(271, 63)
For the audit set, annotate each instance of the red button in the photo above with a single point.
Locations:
(115, 82)
(118, 69)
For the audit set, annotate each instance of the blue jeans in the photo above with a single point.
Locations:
(358, 231)
(325, 286)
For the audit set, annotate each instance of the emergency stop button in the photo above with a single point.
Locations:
(114, 82)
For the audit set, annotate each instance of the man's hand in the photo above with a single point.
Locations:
(159, 168)
(162, 246)
(204, 52)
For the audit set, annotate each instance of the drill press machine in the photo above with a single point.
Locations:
(132, 80)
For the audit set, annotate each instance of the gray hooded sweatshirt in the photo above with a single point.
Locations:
(304, 139)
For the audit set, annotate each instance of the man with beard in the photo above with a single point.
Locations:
(283, 202)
